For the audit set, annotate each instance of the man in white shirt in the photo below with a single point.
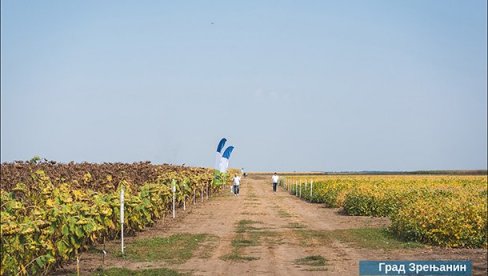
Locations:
(275, 179)
(236, 183)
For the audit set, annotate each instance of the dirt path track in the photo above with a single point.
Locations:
(274, 220)
(276, 213)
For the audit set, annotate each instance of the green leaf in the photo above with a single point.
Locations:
(61, 246)
(41, 262)
(65, 230)
(79, 232)
(50, 259)
(89, 227)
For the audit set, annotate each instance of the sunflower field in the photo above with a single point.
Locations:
(51, 212)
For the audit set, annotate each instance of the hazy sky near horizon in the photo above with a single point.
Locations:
(293, 85)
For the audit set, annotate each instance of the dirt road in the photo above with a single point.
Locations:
(265, 233)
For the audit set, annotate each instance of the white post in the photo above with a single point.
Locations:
(300, 190)
(311, 189)
(173, 187)
(122, 219)
(184, 203)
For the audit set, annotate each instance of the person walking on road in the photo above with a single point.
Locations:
(236, 183)
(275, 179)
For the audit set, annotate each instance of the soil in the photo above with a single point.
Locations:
(278, 215)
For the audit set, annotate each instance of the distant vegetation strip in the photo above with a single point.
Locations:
(434, 172)
(424, 172)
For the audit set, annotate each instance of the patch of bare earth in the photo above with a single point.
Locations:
(257, 233)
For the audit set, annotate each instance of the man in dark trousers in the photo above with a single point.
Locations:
(236, 181)
(275, 179)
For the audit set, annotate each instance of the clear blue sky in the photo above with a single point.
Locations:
(293, 85)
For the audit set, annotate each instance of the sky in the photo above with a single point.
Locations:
(293, 85)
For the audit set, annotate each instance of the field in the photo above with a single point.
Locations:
(439, 210)
(64, 218)
(52, 213)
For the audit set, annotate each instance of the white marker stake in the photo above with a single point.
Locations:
(306, 185)
(184, 203)
(311, 189)
(174, 197)
(122, 219)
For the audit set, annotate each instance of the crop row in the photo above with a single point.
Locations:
(48, 220)
(105, 176)
(440, 210)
